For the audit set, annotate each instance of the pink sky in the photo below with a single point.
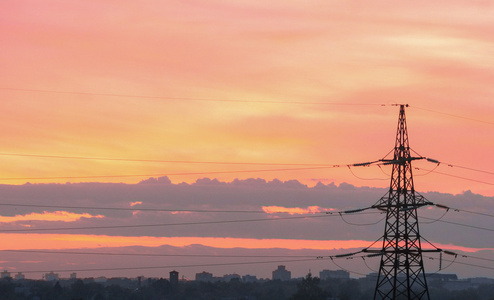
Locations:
(425, 55)
(298, 82)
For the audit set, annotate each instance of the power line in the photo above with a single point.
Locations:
(187, 98)
(320, 214)
(341, 268)
(459, 224)
(316, 167)
(301, 258)
(228, 100)
(131, 209)
(455, 176)
(427, 173)
(362, 178)
(161, 225)
(352, 211)
(362, 224)
(311, 165)
(383, 162)
(166, 174)
(473, 212)
(455, 116)
(222, 172)
(162, 161)
(479, 258)
(463, 210)
(474, 265)
(171, 224)
(453, 261)
(470, 169)
(174, 266)
(438, 219)
(155, 255)
(168, 210)
(465, 256)
(466, 264)
(204, 265)
(456, 166)
(440, 263)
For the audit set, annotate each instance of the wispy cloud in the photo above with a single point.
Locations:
(63, 216)
(295, 210)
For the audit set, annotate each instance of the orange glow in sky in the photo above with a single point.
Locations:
(70, 241)
(75, 241)
(120, 91)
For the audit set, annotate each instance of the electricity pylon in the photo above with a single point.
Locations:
(401, 272)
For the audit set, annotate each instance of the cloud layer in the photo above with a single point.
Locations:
(252, 208)
(251, 213)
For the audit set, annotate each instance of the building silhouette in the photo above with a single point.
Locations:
(51, 276)
(249, 278)
(5, 274)
(336, 274)
(230, 277)
(204, 276)
(174, 277)
(282, 273)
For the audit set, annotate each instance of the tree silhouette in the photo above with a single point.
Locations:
(309, 289)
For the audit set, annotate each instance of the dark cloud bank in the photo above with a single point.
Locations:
(441, 226)
(241, 195)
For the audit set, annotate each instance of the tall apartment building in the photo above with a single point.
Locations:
(282, 274)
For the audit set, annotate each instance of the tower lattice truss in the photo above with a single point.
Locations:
(401, 271)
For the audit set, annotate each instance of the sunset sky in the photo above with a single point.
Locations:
(122, 91)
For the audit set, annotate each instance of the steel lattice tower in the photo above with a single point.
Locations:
(401, 272)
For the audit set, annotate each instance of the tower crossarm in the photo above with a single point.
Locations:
(413, 201)
(401, 160)
(418, 251)
(383, 206)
